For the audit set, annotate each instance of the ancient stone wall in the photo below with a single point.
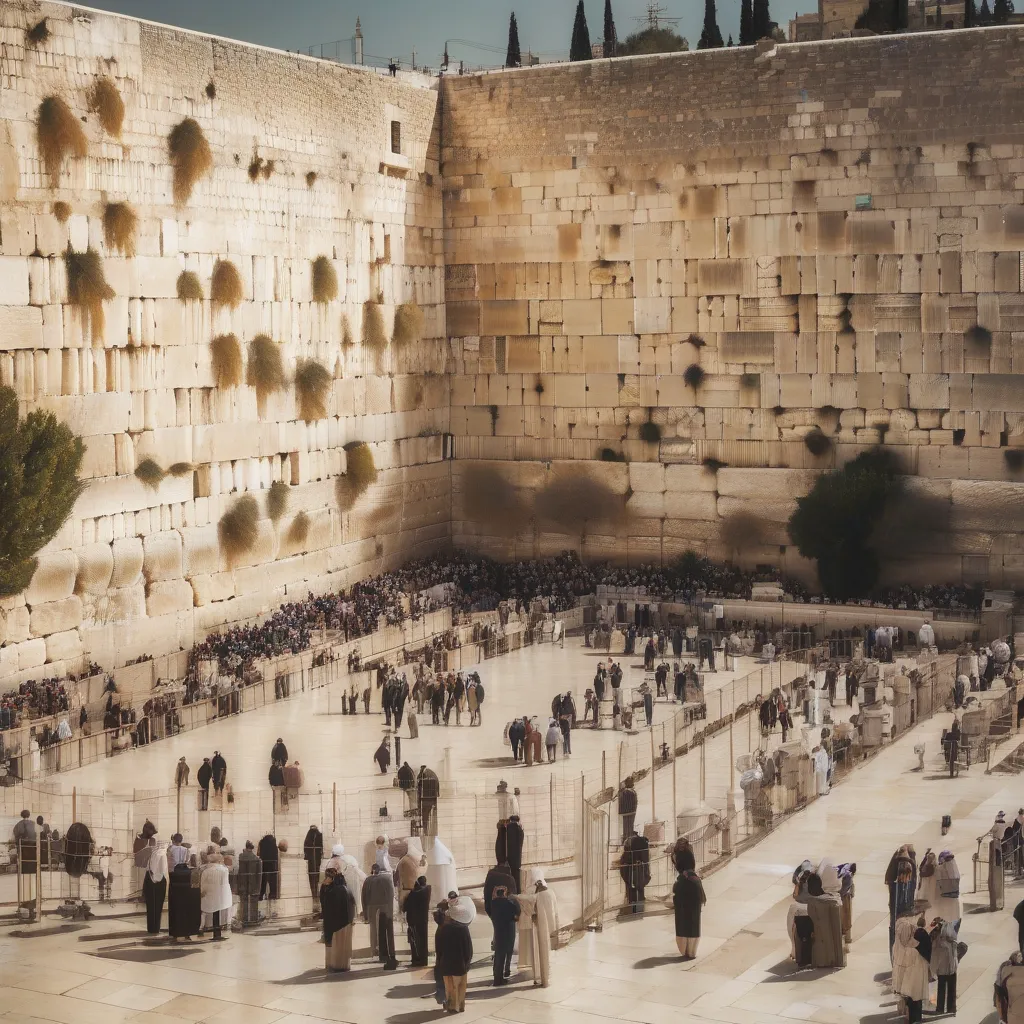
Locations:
(140, 568)
(741, 247)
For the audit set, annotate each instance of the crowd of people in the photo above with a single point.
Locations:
(32, 699)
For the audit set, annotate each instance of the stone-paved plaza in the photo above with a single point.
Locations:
(109, 971)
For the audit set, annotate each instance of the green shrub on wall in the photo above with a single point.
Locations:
(39, 462)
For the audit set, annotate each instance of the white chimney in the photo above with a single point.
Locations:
(357, 44)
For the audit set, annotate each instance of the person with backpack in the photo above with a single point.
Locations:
(1009, 989)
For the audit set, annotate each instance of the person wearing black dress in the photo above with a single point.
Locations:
(688, 898)
(267, 851)
(417, 913)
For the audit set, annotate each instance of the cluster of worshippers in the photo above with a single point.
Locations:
(529, 738)
(924, 929)
(820, 918)
(33, 699)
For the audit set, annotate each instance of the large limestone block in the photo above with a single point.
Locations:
(209, 588)
(87, 415)
(20, 327)
(56, 616)
(128, 494)
(14, 625)
(200, 550)
(987, 505)
(765, 484)
(162, 556)
(158, 276)
(647, 476)
(14, 273)
(581, 316)
(166, 596)
(54, 578)
(31, 654)
(128, 557)
(771, 510)
(687, 479)
(696, 505)
(645, 505)
(999, 391)
(123, 604)
(65, 646)
(505, 316)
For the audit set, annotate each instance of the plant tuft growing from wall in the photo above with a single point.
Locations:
(238, 528)
(105, 101)
(190, 157)
(88, 289)
(189, 287)
(226, 358)
(298, 530)
(120, 226)
(277, 500)
(264, 369)
(409, 321)
(325, 280)
(360, 474)
(226, 284)
(375, 334)
(59, 134)
(150, 473)
(312, 389)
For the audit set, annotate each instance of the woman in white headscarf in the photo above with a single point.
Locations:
(346, 865)
(909, 968)
(829, 875)
(538, 921)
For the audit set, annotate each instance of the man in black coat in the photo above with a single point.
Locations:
(514, 836)
(504, 914)
(401, 695)
(627, 808)
(428, 789)
(417, 914)
(280, 752)
(387, 700)
(268, 854)
(220, 771)
(203, 777)
(313, 854)
(499, 876)
(635, 870)
(383, 756)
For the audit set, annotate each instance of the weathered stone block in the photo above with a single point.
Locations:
(56, 616)
(54, 578)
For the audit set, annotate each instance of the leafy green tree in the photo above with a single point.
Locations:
(882, 16)
(652, 40)
(513, 59)
(611, 38)
(761, 20)
(580, 46)
(747, 23)
(39, 462)
(711, 36)
(835, 523)
(1001, 11)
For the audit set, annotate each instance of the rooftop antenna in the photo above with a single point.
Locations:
(655, 16)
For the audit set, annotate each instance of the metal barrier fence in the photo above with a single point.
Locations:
(704, 752)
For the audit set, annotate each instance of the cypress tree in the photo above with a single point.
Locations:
(746, 23)
(970, 14)
(711, 36)
(513, 58)
(730, 42)
(579, 49)
(985, 14)
(611, 39)
(1001, 11)
(761, 22)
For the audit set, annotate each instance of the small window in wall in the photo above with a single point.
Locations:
(387, 248)
(396, 136)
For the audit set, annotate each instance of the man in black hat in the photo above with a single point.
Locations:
(220, 772)
(203, 777)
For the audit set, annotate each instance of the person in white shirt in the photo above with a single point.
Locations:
(215, 895)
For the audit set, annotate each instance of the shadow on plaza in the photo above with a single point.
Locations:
(650, 962)
(787, 970)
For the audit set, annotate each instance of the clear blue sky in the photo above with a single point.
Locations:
(395, 27)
